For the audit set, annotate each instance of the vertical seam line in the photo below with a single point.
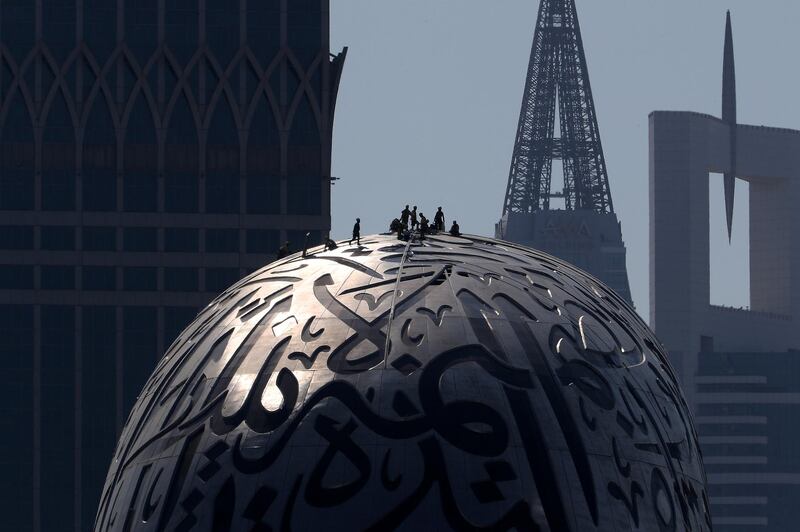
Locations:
(387, 345)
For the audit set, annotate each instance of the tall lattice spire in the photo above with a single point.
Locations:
(557, 76)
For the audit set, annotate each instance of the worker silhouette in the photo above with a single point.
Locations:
(356, 232)
(414, 222)
(423, 225)
(455, 230)
(397, 227)
(438, 220)
(283, 251)
(405, 215)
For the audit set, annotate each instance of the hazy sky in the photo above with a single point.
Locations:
(431, 92)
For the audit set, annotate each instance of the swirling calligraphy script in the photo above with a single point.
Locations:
(451, 383)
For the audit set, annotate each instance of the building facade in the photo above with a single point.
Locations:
(737, 366)
(151, 153)
(590, 240)
(685, 148)
(746, 415)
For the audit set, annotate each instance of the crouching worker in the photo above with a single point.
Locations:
(396, 227)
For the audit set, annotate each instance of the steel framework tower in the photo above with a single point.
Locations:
(586, 231)
(557, 77)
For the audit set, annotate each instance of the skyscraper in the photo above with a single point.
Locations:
(738, 366)
(151, 153)
(585, 230)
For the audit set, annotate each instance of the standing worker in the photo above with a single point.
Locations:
(405, 215)
(423, 225)
(414, 218)
(438, 220)
(356, 232)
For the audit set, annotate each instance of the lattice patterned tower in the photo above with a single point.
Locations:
(586, 231)
(152, 152)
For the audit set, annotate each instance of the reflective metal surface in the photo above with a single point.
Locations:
(445, 384)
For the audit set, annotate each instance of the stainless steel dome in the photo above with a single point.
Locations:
(452, 383)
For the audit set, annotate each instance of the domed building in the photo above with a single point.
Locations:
(449, 383)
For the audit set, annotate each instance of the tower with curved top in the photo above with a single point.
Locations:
(152, 152)
(573, 219)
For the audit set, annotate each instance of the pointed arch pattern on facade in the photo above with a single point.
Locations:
(104, 105)
(81, 74)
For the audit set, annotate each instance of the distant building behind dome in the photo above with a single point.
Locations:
(558, 96)
(746, 414)
(591, 241)
(151, 153)
(737, 366)
(446, 384)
